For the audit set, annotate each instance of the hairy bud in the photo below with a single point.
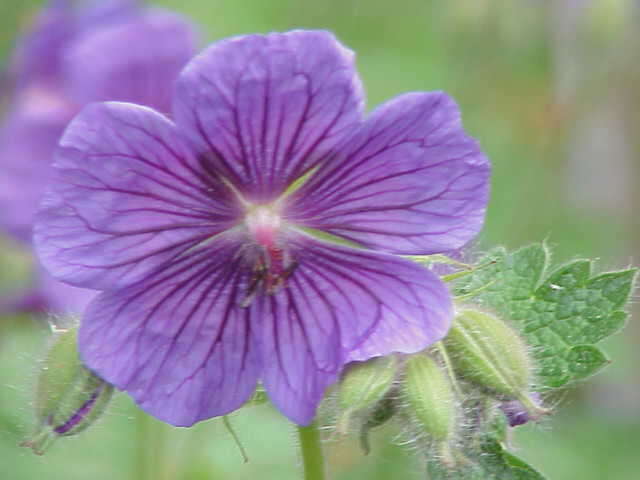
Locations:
(432, 401)
(364, 384)
(69, 397)
(488, 353)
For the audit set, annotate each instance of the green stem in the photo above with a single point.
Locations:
(236, 439)
(311, 449)
(534, 410)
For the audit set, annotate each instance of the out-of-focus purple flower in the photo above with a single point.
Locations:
(106, 50)
(37, 56)
(253, 236)
(47, 295)
(516, 412)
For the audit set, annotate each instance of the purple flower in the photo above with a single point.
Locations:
(110, 50)
(47, 295)
(253, 236)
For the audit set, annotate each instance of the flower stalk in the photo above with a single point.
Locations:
(311, 451)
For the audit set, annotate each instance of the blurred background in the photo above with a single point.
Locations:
(550, 89)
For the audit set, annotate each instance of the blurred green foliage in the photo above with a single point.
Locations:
(500, 60)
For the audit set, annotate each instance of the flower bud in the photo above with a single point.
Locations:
(364, 384)
(516, 412)
(488, 353)
(69, 397)
(431, 398)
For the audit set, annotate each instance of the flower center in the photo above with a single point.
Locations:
(273, 264)
(263, 224)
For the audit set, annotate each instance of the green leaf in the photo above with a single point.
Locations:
(585, 360)
(490, 462)
(483, 458)
(562, 315)
(500, 464)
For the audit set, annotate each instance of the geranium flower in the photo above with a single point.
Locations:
(256, 235)
(109, 50)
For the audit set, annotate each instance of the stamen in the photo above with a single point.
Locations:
(273, 264)
(270, 274)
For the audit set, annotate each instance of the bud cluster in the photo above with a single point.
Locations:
(448, 396)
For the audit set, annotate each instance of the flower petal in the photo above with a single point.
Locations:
(47, 296)
(267, 108)
(177, 341)
(136, 61)
(410, 181)
(342, 304)
(128, 196)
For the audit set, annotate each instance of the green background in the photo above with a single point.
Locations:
(550, 90)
